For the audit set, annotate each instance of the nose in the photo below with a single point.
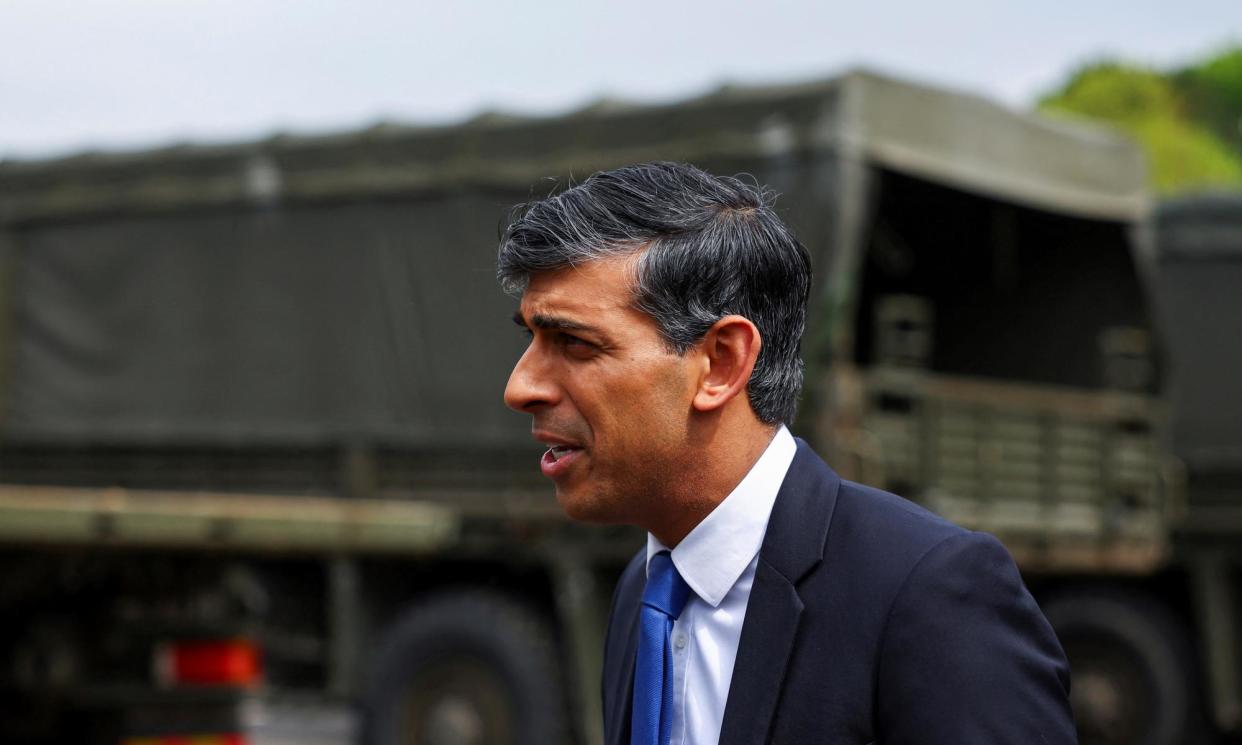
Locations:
(530, 384)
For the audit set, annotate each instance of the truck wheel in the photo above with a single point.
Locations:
(465, 668)
(1132, 669)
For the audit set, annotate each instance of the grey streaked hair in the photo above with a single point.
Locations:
(710, 247)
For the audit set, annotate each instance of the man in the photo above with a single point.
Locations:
(774, 602)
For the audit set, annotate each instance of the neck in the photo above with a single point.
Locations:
(723, 453)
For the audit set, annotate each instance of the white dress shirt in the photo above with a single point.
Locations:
(718, 559)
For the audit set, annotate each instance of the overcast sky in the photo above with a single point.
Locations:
(78, 74)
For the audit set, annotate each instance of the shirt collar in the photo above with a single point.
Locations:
(714, 554)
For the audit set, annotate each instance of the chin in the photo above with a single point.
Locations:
(584, 506)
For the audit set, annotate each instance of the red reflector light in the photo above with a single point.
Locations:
(187, 740)
(232, 662)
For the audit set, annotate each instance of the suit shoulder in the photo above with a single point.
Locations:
(869, 528)
(892, 537)
(894, 518)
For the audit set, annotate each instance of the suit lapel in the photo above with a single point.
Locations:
(623, 684)
(792, 546)
(772, 616)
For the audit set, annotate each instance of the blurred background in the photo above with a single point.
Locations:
(257, 484)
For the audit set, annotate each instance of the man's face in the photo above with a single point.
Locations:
(608, 398)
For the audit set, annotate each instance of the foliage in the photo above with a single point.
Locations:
(1213, 92)
(1189, 121)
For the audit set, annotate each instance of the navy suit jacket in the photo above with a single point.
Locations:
(871, 620)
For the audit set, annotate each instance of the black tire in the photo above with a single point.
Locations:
(465, 668)
(1132, 667)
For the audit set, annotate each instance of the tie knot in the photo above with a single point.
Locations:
(666, 590)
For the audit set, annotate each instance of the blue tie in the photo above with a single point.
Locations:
(663, 600)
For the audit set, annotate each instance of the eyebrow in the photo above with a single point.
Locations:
(552, 323)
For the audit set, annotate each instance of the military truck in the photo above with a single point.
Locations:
(253, 457)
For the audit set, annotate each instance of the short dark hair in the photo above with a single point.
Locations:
(711, 247)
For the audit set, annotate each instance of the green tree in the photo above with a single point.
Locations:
(1186, 149)
(1213, 92)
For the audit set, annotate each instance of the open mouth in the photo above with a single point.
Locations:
(557, 459)
(556, 452)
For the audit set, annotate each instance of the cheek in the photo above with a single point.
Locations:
(659, 402)
(642, 404)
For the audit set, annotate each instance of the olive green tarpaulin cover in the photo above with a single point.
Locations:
(325, 289)
(372, 321)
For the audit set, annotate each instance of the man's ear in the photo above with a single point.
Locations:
(729, 348)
